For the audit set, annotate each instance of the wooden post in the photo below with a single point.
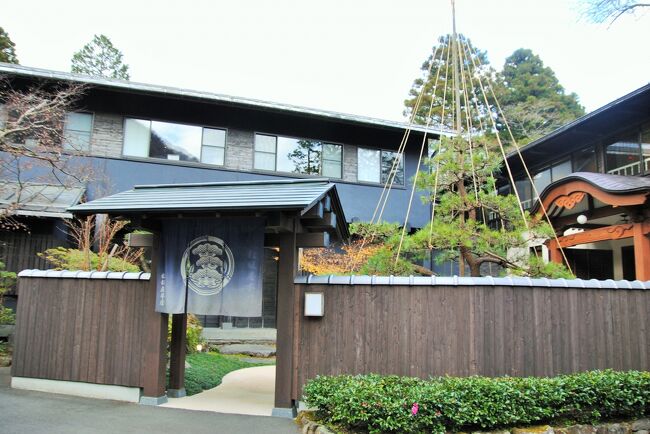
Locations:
(154, 356)
(284, 404)
(555, 255)
(177, 356)
(641, 253)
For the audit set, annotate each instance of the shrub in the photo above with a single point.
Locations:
(192, 334)
(7, 280)
(377, 403)
(63, 258)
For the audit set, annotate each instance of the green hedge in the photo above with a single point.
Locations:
(377, 403)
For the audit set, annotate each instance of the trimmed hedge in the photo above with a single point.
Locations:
(376, 403)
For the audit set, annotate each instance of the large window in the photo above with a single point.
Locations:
(376, 166)
(292, 155)
(171, 141)
(77, 130)
(544, 178)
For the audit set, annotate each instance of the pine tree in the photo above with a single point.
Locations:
(438, 84)
(100, 58)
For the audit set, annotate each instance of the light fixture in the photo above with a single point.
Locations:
(582, 219)
(199, 348)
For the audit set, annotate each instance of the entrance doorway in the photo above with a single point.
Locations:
(591, 263)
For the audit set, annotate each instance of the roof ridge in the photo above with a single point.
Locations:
(214, 96)
(224, 183)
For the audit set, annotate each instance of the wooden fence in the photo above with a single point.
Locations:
(472, 329)
(101, 331)
(18, 250)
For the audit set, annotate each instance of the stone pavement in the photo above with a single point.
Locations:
(34, 412)
(245, 391)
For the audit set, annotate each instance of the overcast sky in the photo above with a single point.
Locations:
(350, 56)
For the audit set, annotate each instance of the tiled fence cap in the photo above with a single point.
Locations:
(471, 281)
(66, 274)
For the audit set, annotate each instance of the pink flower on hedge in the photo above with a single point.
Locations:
(415, 408)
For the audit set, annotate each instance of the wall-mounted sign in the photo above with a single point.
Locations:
(314, 304)
(216, 262)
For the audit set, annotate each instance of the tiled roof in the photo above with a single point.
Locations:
(42, 200)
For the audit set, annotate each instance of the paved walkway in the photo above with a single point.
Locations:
(34, 412)
(245, 391)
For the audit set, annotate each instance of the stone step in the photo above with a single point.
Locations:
(248, 349)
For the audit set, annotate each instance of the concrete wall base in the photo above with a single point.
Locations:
(176, 393)
(88, 390)
(153, 400)
(287, 413)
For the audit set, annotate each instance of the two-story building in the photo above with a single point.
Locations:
(137, 133)
(593, 176)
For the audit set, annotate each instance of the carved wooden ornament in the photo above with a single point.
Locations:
(570, 200)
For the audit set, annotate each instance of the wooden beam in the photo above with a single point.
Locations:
(154, 354)
(140, 240)
(315, 212)
(287, 267)
(327, 203)
(564, 221)
(615, 232)
(315, 239)
(555, 255)
(641, 251)
(278, 222)
(328, 222)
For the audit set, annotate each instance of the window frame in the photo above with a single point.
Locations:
(90, 132)
(179, 162)
(381, 151)
(275, 153)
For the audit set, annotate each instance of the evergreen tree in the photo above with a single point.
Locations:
(100, 58)
(472, 222)
(7, 48)
(533, 100)
(438, 68)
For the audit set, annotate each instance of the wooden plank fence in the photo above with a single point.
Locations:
(90, 330)
(500, 330)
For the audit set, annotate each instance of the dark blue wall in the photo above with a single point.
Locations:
(115, 175)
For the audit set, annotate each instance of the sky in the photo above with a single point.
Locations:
(350, 56)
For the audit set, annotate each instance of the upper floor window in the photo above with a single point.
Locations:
(585, 160)
(287, 154)
(172, 141)
(76, 131)
(375, 166)
(623, 157)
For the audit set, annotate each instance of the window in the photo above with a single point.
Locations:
(292, 155)
(624, 157)
(524, 191)
(369, 165)
(391, 163)
(171, 141)
(375, 166)
(645, 148)
(585, 160)
(76, 131)
(554, 173)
